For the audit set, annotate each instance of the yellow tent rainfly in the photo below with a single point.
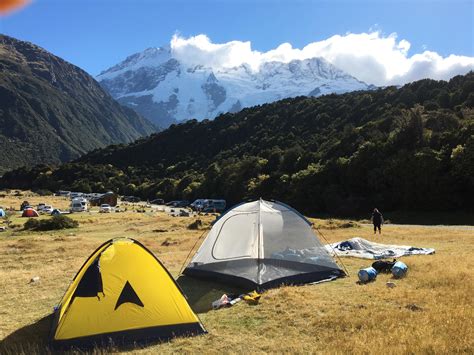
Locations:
(122, 294)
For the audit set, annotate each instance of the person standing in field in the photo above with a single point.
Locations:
(377, 220)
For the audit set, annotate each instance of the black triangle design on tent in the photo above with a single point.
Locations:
(128, 294)
(91, 282)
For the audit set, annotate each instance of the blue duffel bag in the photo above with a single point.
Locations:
(367, 274)
(399, 270)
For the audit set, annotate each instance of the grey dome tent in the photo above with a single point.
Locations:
(261, 245)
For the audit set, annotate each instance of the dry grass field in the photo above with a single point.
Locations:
(429, 311)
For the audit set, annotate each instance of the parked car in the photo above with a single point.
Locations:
(105, 208)
(197, 205)
(183, 203)
(56, 212)
(40, 206)
(214, 206)
(47, 209)
(157, 201)
(178, 203)
(75, 195)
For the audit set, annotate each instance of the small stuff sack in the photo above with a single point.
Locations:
(367, 274)
(399, 270)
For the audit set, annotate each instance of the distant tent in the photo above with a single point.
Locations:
(263, 244)
(122, 294)
(2, 213)
(29, 212)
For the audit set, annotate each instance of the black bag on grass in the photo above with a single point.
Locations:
(384, 266)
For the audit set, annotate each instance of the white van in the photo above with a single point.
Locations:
(79, 205)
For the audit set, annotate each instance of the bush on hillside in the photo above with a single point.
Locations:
(54, 223)
(43, 192)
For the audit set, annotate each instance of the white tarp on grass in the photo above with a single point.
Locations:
(361, 248)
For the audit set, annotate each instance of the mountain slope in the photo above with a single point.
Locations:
(158, 86)
(408, 148)
(52, 111)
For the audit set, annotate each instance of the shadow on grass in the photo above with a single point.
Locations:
(31, 339)
(201, 293)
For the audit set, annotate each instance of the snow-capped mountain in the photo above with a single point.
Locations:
(159, 87)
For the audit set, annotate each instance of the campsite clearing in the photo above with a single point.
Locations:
(429, 311)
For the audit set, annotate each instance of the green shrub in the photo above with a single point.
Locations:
(349, 224)
(54, 223)
(43, 192)
(31, 224)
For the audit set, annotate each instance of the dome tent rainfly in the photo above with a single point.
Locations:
(122, 294)
(29, 212)
(263, 244)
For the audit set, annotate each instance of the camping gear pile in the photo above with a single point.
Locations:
(361, 248)
(397, 268)
(229, 300)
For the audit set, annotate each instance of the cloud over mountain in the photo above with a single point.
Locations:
(371, 57)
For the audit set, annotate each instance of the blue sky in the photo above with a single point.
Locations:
(95, 34)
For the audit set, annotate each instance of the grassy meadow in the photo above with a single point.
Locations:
(429, 311)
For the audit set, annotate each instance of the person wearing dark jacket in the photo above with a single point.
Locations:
(377, 220)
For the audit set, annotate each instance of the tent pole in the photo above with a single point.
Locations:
(184, 263)
(338, 257)
(259, 267)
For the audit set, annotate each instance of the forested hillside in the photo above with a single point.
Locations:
(407, 148)
(52, 111)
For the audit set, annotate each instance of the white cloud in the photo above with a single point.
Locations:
(199, 49)
(371, 57)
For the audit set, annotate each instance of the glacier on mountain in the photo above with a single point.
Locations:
(164, 90)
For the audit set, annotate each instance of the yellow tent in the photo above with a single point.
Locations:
(122, 294)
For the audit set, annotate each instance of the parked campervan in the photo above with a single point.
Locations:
(79, 205)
